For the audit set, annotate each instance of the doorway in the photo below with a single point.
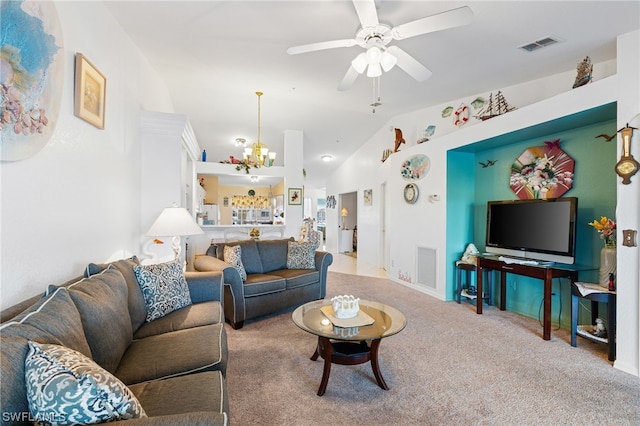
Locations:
(348, 240)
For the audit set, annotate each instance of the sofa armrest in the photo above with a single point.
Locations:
(196, 418)
(323, 260)
(205, 286)
(234, 287)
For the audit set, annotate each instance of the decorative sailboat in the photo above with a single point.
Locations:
(584, 70)
(497, 105)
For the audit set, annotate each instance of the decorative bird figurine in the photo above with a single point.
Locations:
(399, 140)
(488, 163)
(607, 138)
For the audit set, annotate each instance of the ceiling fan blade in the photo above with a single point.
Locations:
(412, 67)
(367, 13)
(349, 79)
(441, 21)
(321, 46)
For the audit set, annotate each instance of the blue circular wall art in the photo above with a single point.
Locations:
(31, 77)
(415, 167)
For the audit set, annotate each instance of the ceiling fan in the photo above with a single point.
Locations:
(374, 37)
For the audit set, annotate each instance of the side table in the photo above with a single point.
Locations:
(596, 294)
(462, 287)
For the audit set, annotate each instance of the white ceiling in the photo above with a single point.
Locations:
(214, 56)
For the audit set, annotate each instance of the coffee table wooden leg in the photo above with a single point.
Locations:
(324, 345)
(375, 344)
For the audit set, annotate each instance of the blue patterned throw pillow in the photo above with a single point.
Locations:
(65, 387)
(301, 255)
(233, 256)
(164, 288)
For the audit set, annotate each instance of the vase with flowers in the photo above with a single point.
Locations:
(607, 230)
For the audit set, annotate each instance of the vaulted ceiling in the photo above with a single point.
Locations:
(214, 56)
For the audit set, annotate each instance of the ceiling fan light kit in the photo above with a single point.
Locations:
(374, 37)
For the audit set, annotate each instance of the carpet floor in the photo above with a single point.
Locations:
(448, 366)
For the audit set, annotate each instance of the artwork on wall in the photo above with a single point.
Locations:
(31, 77)
(415, 167)
(90, 92)
(368, 197)
(542, 172)
(295, 196)
(331, 202)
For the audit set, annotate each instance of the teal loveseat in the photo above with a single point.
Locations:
(270, 285)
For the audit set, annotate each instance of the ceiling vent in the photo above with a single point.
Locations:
(539, 44)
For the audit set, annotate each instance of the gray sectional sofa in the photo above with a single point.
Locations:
(175, 365)
(270, 285)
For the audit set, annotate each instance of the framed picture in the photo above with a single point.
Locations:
(90, 92)
(295, 196)
(368, 194)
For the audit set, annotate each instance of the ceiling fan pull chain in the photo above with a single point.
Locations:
(376, 94)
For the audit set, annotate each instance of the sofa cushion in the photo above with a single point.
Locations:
(233, 256)
(258, 284)
(53, 319)
(250, 255)
(195, 315)
(164, 288)
(100, 300)
(273, 254)
(204, 391)
(298, 277)
(175, 354)
(301, 255)
(137, 307)
(65, 387)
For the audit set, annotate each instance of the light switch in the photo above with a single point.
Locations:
(629, 237)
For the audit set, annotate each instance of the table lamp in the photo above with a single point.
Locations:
(174, 222)
(344, 213)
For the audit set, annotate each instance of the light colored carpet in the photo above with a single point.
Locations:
(448, 366)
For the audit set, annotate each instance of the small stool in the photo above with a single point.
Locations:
(468, 268)
(603, 296)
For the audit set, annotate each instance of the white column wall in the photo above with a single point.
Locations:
(628, 209)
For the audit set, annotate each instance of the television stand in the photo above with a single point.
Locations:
(542, 271)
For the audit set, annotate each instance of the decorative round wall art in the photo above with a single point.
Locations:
(31, 77)
(542, 172)
(461, 116)
(411, 193)
(415, 167)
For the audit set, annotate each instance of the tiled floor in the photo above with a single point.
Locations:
(351, 265)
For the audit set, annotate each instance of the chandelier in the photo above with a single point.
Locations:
(259, 153)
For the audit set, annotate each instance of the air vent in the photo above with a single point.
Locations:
(539, 44)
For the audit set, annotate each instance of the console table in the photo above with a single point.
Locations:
(545, 272)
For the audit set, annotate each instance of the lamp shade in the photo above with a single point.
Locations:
(344, 212)
(174, 221)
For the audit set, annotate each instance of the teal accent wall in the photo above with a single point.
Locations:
(594, 185)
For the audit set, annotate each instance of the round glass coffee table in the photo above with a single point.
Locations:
(349, 345)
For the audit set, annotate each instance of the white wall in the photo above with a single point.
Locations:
(77, 200)
(424, 223)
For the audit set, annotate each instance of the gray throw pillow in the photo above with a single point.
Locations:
(164, 288)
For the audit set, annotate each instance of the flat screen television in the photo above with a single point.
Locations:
(533, 229)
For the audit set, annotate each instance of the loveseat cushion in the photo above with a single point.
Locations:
(273, 254)
(298, 277)
(196, 315)
(101, 301)
(66, 387)
(204, 391)
(175, 354)
(250, 255)
(53, 319)
(164, 288)
(137, 307)
(259, 284)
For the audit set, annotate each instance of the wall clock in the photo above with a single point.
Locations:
(411, 193)
(252, 192)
